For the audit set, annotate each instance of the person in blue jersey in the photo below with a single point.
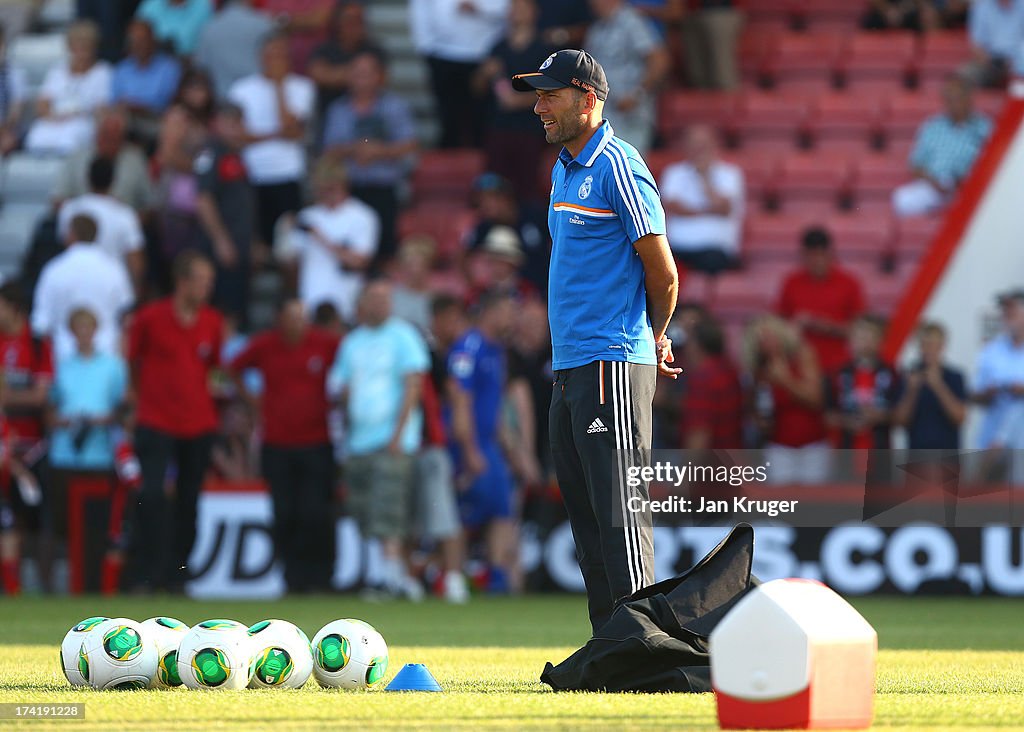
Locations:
(612, 289)
(477, 376)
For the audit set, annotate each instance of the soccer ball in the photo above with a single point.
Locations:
(349, 654)
(167, 634)
(281, 655)
(70, 647)
(117, 654)
(215, 654)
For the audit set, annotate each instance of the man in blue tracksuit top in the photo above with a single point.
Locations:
(612, 289)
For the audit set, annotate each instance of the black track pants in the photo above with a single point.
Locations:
(600, 422)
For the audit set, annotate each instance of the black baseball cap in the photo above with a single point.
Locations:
(568, 67)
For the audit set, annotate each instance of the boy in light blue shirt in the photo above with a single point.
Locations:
(88, 388)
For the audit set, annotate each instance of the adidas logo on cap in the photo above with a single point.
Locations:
(596, 426)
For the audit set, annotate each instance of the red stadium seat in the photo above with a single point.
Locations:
(678, 110)
(760, 173)
(694, 287)
(756, 46)
(898, 148)
(771, 11)
(746, 293)
(846, 121)
(772, 118)
(811, 84)
(808, 208)
(878, 56)
(906, 112)
(821, 179)
(872, 207)
(772, 238)
(446, 175)
(941, 54)
(915, 235)
(835, 11)
(875, 176)
(658, 160)
(882, 291)
(880, 88)
(815, 23)
(447, 224)
(863, 239)
(807, 57)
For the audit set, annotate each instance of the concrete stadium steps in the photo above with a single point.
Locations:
(388, 22)
(37, 53)
(17, 224)
(57, 13)
(26, 178)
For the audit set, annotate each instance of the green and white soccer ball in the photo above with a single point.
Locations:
(118, 654)
(167, 634)
(70, 647)
(215, 654)
(349, 654)
(281, 655)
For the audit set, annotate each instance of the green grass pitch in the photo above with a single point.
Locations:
(944, 663)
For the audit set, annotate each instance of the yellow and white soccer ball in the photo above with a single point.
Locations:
(349, 654)
(216, 655)
(118, 654)
(282, 657)
(72, 644)
(167, 634)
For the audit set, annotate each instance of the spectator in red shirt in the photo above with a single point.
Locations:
(822, 300)
(174, 345)
(712, 413)
(27, 369)
(297, 458)
(788, 395)
(27, 372)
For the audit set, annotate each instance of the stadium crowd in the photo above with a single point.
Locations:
(207, 146)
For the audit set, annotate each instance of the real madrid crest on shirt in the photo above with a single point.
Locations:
(585, 186)
(461, 365)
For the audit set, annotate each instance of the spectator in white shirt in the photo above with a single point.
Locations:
(71, 94)
(276, 105)
(456, 36)
(118, 230)
(703, 198)
(334, 241)
(83, 275)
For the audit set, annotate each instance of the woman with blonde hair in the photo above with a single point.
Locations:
(788, 400)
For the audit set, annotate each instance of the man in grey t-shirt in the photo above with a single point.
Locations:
(636, 62)
(229, 44)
